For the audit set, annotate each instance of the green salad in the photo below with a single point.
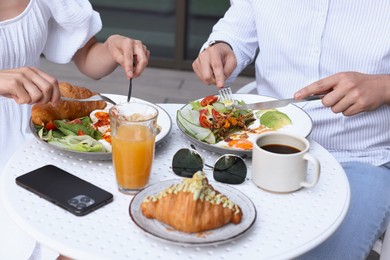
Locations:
(210, 121)
(77, 135)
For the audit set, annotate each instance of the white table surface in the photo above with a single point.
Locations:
(287, 225)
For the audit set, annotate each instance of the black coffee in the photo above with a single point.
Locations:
(280, 148)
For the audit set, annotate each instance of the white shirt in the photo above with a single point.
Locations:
(56, 28)
(303, 41)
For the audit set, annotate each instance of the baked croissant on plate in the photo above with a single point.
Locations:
(43, 113)
(192, 206)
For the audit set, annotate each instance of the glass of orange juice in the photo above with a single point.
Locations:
(133, 132)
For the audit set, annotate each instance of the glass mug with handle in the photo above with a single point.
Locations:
(280, 163)
(133, 132)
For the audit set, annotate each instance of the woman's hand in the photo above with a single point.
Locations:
(131, 54)
(350, 92)
(27, 85)
(215, 64)
(97, 60)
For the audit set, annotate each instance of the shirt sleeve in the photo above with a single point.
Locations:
(72, 24)
(238, 28)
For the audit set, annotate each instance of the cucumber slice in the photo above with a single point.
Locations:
(220, 107)
(183, 122)
(196, 131)
(191, 116)
(182, 127)
(210, 138)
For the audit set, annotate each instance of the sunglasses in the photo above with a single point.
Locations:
(228, 168)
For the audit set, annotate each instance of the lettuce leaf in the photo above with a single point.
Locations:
(71, 128)
(82, 143)
(196, 105)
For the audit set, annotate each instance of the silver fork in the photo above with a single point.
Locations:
(91, 98)
(226, 96)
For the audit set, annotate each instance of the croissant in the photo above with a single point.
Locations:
(43, 113)
(192, 206)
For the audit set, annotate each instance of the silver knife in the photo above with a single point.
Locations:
(96, 97)
(278, 102)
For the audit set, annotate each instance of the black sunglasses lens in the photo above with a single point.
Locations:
(186, 162)
(230, 169)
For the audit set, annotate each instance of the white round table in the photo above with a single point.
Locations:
(287, 225)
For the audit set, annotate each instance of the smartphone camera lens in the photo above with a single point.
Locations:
(81, 201)
(85, 199)
(81, 206)
(73, 201)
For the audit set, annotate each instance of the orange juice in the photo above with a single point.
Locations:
(132, 152)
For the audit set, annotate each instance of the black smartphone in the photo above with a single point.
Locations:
(64, 189)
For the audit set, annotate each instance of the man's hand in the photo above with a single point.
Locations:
(350, 92)
(215, 64)
(29, 85)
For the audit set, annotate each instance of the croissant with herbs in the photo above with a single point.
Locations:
(192, 206)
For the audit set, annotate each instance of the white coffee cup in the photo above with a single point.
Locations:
(280, 160)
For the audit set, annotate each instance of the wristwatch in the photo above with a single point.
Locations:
(211, 43)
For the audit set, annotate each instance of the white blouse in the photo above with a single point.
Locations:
(55, 28)
(303, 41)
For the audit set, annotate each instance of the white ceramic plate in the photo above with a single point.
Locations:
(301, 125)
(166, 233)
(163, 120)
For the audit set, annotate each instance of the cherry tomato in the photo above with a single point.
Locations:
(80, 132)
(203, 111)
(208, 100)
(50, 126)
(204, 120)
